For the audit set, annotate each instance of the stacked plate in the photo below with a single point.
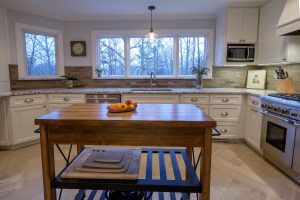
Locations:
(105, 163)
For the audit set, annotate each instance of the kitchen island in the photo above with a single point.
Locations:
(168, 125)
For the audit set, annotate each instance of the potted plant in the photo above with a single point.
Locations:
(99, 71)
(69, 79)
(199, 71)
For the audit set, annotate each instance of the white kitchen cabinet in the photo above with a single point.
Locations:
(242, 25)
(253, 122)
(22, 111)
(236, 25)
(275, 49)
(200, 100)
(4, 51)
(59, 101)
(4, 137)
(152, 98)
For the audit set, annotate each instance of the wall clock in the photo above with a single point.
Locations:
(78, 48)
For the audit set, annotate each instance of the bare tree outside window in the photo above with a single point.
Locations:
(40, 54)
(147, 55)
(192, 52)
(111, 54)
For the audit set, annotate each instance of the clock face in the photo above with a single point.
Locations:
(78, 48)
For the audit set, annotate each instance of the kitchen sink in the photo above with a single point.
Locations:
(150, 89)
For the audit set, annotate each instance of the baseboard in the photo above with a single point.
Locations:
(16, 146)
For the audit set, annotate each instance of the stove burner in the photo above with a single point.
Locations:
(127, 195)
(293, 97)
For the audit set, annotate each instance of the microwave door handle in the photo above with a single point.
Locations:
(248, 53)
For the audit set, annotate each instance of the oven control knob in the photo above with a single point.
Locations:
(285, 111)
(279, 109)
(294, 114)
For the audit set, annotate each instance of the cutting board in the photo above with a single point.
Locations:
(131, 171)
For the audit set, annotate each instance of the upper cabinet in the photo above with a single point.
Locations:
(275, 49)
(242, 25)
(235, 25)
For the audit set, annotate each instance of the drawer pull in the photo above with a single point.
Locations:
(255, 102)
(194, 99)
(67, 98)
(28, 100)
(224, 114)
(223, 130)
(225, 100)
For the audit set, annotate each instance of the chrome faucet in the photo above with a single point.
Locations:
(152, 79)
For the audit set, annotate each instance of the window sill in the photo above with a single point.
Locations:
(147, 77)
(39, 78)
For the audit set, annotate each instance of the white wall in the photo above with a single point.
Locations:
(81, 30)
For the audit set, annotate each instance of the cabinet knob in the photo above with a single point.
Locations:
(284, 59)
(194, 99)
(224, 114)
(244, 40)
(67, 99)
(28, 100)
(225, 100)
(223, 130)
(255, 102)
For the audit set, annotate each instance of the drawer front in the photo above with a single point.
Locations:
(66, 98)
(27, 100)
(225, 113)
(194, 99)
(204, 108)
(226, 99)
(227, 130)
(254, 102)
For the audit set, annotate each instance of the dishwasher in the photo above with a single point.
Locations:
(103, 98)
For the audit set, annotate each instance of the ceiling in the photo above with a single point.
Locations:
(94, 9)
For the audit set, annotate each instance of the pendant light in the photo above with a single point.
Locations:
(151, 33)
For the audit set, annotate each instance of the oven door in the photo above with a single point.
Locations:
(278, 137)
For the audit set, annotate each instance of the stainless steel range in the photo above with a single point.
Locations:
(281, 132)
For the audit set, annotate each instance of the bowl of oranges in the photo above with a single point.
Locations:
(128, 106)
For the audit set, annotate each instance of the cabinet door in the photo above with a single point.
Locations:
(22, 122)
(234, 25)
(253, 127)
(250, 24)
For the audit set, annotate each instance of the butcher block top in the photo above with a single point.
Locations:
(158, 115)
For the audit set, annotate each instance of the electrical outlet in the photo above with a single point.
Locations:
(237, 74)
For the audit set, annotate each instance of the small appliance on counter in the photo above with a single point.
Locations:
(281, 132)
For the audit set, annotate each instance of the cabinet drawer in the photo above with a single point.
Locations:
(27, 100)
(226, 99)
(227, 130)
(204, 108)
(254, 102)
(66, 98)
(194, 99)
(222, 113)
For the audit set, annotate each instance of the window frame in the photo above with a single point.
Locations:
(21, 29)
(175, 33)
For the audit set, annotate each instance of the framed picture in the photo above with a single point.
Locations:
(78, 48)
(256, 79)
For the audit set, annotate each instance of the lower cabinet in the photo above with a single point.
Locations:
(59, 101)
(4, 137)
(228, 130)
(200, 100)
(253, 127)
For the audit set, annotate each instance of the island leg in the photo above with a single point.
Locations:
(48, 165)
(205, 169)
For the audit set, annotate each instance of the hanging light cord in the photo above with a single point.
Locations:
(151, 8)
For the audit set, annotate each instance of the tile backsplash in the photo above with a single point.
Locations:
(223, 77)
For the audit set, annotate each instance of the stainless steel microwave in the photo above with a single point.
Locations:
(240, 52)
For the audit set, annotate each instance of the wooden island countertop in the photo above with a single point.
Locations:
(170, 125)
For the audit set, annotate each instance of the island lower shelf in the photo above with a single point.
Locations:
(190, 184)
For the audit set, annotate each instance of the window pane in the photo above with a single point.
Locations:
(111, 56)
(192, 52)
(40, 55)
(147, 55)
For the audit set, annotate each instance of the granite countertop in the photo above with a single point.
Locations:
(129, 91)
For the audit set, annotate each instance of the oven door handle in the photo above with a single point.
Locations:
(296, 124)
(275, 116)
